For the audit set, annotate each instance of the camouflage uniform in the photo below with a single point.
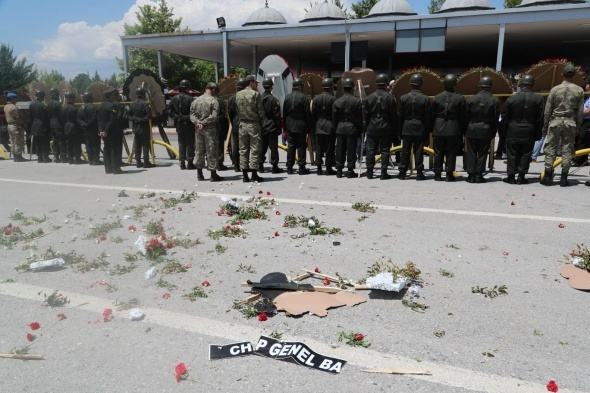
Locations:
(251, 113)
(15, 129)
(563, 117)
(205, 111)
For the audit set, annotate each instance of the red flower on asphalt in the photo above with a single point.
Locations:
(506, 253)
(260, 191)
(31, 337)
(102, 238)
(228, 227)
(206, 283)
(107, 315)
(169, 245)
(326, 281)
(34, 326)
(552, 386)
(9, 225)
(317, 270)
(162, 219)
(163, 212)
(284, 224)
(132, 228)
(263, 316)
(163, 236)
(187, 266)
(512, 203)
(180, 372)
(561, 225)
(219, 213)
(16, 229)
(166, 295)
(278, 213)
(180, 209)
(268, 193)
(7, 232)
(276, 233)
(62, 316)
(359, 337)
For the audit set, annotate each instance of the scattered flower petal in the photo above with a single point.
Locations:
(561, 225)
(62, 316)
(34, 326)
(31, 337)
(506, 253)
(512, 203)
(326, 281)
(552, 386)
(206, 283)
(263, 316)
(317, 270)
(359, 337)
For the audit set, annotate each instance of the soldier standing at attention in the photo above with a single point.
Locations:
(232, 110)
(16, 127)
(251, 114)
(205, 116)
(271, 127)
(222, 129)
(321, 119)
(482, 125)
(180, 108)
(347, 119)
(414, 118)
(40, 127)
(381, 126)
(448, 127)
(89, 127)
(564, 113)
(296, 112)
(141, 114)
(56, 126)
(72, 136)
(521, 126)
(110, 116)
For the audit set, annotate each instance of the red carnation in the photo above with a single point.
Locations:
(260, 191)
(163, 212)
(132, 228)
(166, 295)
(552, 386)
(62, 316)
(35, 326)
(228, 227)
(317, 270)
(163, 236)
(326, 281)
(31, 337)
(180, 209)
(268, 193)
(561, 225)
(512, 203)
(9, 225)
(276, 233)
(107, 315)
(7, 232)
(263, 316)
(359, 337)
(180, 372)
(206, 283)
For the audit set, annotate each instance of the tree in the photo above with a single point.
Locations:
(362, 8)
(435, 5)
(51, 78)
(81, 82)
(14, 74)
(511, 3)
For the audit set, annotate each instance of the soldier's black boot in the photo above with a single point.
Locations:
(369, 173)
(257, 178)
(246, 178)
(18, 158)
(384, 174)
(182, 165)
(548, 178)
(261, 168)
(563, 180)
(521, 179)
(587, 183)
(479, 178)
(200, 176)
(330, 171)
(438, 176)
(190, 166)
(471, 178)
(276, 169)
(303, 170)
(339, 173)
(147, 164)
(401, 175)
(221, 167)
(289, 170)
(215, 176)
(64, 159)
(450, 177)
(510, 179)
(420, 176)
(320, 172)
(139, 164)
(350, 174)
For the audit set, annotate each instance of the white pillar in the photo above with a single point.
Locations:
(347, 51)
(500, 46)
(160, 64)
(216, 65)
(126, 60)
(225, 53)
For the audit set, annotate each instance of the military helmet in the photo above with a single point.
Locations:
(297, 82)
(382, 79)
(184, 83)
(39, 93)
(250, 78)
(242, 83)
(569, 70)
(327, 83)
(486, 81)
(212, 86)
(267, 82)
(347, 83)
(53, 92)
(416, 80)
(69, 95)
(140, 92)
(87, 97)
(527, 80)
(450, 81)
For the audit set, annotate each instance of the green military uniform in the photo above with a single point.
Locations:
(222, 129)
(205, 111)
(251, 114)
(15, 129)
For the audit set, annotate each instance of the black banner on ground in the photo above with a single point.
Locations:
(230, 351)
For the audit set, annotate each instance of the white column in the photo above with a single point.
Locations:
(225, 53)
(160, 64)
(500, 46)
(347, 51)
(126, 60)
(216, 65)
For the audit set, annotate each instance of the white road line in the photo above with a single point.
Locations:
(316, 202)
(442, 374)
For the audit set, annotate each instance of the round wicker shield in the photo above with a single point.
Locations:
(547, 74)
(366, 75)
(431, 86)
(312, 85)
(467, 83)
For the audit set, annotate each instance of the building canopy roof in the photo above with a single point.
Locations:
(391, 7)
(529, 3)
(465, 5)
(324, 11)
(265, 16)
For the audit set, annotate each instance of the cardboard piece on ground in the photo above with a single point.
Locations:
(399, 371)
(577, 278)
(318, 303)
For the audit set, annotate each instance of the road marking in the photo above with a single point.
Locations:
(317, 202)
(366, 358)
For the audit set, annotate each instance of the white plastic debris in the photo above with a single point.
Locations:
(126, 217)
(577, 261)
(57, 262)
(150, 273)
(414, 291)
(74, 236)
(311, 223)
(140, 244)
(384, 282)
(136, 314)
(229, 201)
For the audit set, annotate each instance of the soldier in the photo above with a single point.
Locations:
(296, 112)
(563, 118)
(89, 126)
(180, 107)
(141, 114)
(414, 119)
(69, 114)
(323, 129)
(205, 115)
(251, 114)
(448, 127)
(40, 127)
(232, 109)
(222, 129)
(16, 127)
(522, 122)
(482, 125)
(348, 122)
(110, 117)
(381, 126)
(56, 126)
(271, 127)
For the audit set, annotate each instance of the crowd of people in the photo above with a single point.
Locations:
(335, 125)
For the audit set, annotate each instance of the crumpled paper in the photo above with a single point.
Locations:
(150, 273)
(141, 243)
(136, 314)
(57, 262)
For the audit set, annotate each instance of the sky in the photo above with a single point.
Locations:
(78, 36)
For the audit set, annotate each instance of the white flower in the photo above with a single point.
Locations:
(311, 223)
